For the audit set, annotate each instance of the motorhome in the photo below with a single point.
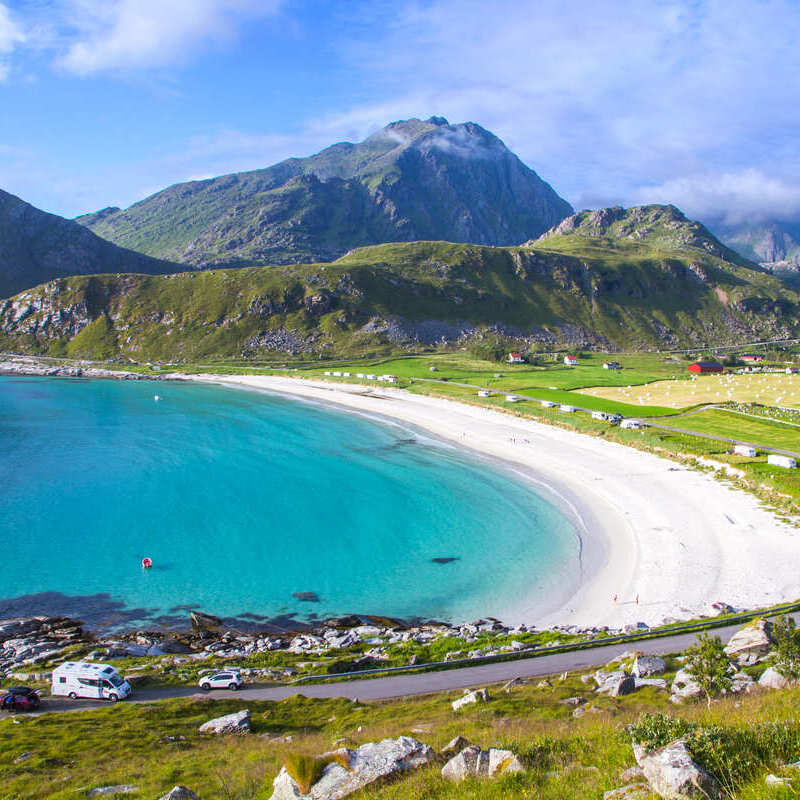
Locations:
(84, 679)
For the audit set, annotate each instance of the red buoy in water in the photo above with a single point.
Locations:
(147, 563)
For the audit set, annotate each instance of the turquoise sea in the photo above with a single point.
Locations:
(244, 500)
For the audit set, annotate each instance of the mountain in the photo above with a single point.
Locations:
(36, 247)
(773, 244)
(599, 278)
(412, 180)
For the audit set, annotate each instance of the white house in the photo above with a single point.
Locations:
(745, 450)
(781, 461)
(571, 361)
(483, 393)
(548, 404)
(566, 409)
(515, 358)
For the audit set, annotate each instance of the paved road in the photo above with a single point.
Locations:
(422, 683)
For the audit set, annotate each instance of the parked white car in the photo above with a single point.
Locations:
(225, 679)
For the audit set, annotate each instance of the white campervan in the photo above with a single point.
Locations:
(83, 679)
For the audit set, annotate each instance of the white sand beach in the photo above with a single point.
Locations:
(675, 538)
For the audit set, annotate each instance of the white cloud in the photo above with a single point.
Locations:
(136, 34)
(729, 198)
(11, 36)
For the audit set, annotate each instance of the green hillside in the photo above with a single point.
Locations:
(412, 180)
(564, 289)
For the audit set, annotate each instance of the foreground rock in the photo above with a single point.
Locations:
(772, 679)
(751, 643)
(647, 666)
(236, 723)
(472, 762)
(369, 763)
(179, 793)
(673, 774)
(476, 696)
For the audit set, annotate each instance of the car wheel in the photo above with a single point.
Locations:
(205, 687)
(233, 687)
(73, 696)
(113, 697)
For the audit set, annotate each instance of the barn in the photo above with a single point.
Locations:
(703, 367)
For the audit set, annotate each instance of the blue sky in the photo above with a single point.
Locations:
(695, 102)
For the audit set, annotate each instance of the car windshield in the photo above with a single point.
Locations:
(116, 680)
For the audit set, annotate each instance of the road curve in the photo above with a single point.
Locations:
(410, 685)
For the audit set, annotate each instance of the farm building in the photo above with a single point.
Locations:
(745, 450)
(612, 365)
(571, 361)
(781, 461)
(704, 367)
(752, 358)
(515, 358)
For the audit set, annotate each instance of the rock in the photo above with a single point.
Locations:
(772, 679)
(239, 722)
(673, 774)
(456, 745)
(179, 793)
(476, 696)
(470, 762)
(573, 701)
(741, 682)
(512, 684)
(632, 774)
(684, 686)
(503, 762)
(659, 683)
(633, 791)
(204, 622)
(578, 712)
(104, 791)
(606, 681)
(645, 666)
(774, 780)
(751, 643)
(623, 686)
(370, 762)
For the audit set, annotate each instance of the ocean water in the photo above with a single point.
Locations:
(245, 500)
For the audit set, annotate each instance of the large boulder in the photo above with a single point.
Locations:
(472, 762)
(369, 763)
(476, 696)
(751, 643)
(179, 793)
(238, 722)
(684, 686)
(772, 679)
(673, 774)
(645, 666)
(623, 686)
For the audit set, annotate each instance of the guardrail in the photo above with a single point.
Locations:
(536, 652)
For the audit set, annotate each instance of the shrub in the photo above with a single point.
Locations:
(787, 647)
(708, 665)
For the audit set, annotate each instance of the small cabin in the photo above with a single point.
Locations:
(571, 361)
(515, 358)
(777, 460)
(705, 367)
(612, 365)
(745, 450)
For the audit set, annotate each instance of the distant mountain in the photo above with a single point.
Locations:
(630, 278)
(36, 247)
(775, 245)
(412, 180)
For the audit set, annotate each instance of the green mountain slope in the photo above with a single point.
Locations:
(653, 290)
(36, 247)
(412, 180)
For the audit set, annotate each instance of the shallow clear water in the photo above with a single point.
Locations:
(243, 499)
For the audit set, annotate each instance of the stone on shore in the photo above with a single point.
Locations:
(236, 723)
(673, 774)
(370, 762)
(475, 696)
(751, 643)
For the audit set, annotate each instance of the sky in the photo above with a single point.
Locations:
(693, 102)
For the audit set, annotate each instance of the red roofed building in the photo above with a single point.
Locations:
(703, 367)
(515, 358)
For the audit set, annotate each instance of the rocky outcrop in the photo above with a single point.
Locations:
(112, 791)
(771, 678)
(646, 666)
(673, 774)
(354, 769)
(751, 643)
(236, 723)
(179, 793)
(473, 762)
(469, 698)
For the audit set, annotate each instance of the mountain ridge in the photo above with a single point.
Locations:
(412, 180)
